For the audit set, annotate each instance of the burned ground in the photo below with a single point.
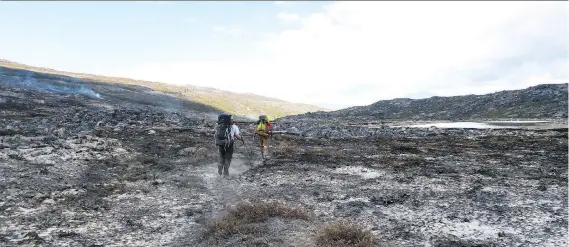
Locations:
(502, 190)
(82, 171)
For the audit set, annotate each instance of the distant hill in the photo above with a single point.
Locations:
(541, 101)
(235, 103)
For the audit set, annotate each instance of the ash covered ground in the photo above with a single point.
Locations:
(126, 168)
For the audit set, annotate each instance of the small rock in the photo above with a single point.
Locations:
(48, 201)
(151, 132)
(186, 151)
(157, 182)
(59, 132)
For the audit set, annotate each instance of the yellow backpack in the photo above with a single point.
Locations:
(261, 126)
(264, 125)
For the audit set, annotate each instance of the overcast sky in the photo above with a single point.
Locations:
(332, 54)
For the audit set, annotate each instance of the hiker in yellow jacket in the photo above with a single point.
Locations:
(264, 129)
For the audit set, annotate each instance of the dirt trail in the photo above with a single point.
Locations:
(224, 190)
(217, 193)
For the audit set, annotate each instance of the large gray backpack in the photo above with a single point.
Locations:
(223, 130)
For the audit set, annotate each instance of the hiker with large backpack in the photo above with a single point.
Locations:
(225, 134)
(264, 129)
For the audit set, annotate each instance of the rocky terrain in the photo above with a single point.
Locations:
(537, 102)
(85, 163)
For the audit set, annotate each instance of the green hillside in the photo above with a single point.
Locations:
(236, 103)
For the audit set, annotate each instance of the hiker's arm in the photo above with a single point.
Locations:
(238, 135)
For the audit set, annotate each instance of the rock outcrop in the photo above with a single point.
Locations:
(542, 101)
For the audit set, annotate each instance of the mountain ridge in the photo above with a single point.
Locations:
(540, 101)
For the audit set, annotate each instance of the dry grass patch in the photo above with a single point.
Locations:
(400, 147)
(240, 216)
(286, 147)
(409, 163)
(414, 162)
(344, 233)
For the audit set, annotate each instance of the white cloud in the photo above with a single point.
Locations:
(288, 17)
(355, 53)
(227, 30)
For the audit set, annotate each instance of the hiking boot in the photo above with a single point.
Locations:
(226, 170)
(219, 170)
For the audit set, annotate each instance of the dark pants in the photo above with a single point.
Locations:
(225, 155)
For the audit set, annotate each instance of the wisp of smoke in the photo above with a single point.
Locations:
(56, 86)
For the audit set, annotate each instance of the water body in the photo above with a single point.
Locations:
(489, 125)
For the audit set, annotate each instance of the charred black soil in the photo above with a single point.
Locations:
(111, 171)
